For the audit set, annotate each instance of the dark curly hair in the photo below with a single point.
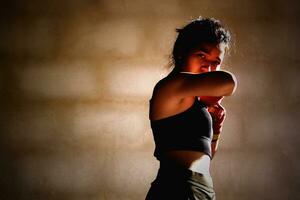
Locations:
(198, 31)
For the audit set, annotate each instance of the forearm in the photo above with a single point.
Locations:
(218, 115)
(215, 143)
(214, 147)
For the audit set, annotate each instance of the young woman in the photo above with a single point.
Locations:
(185, 112)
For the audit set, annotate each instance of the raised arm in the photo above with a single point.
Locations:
(215, 83)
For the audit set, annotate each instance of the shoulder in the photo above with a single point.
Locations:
(164, 102)
(168, 84)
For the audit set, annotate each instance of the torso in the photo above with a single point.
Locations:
(193, 160)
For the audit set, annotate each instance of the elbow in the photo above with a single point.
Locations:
(231, 84)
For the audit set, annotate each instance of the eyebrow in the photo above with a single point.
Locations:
(207, 52)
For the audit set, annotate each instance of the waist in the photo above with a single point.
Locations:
(196, 161)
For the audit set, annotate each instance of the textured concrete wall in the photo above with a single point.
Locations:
(75, 81)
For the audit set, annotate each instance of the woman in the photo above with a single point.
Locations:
(185, 112)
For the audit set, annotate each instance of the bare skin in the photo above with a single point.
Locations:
(199, 77)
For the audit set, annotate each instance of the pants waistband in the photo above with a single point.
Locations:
(172, 172)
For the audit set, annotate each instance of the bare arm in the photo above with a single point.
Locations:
(218, 113)
(216, 83)
(214, 147)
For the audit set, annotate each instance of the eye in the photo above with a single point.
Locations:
(201, 55)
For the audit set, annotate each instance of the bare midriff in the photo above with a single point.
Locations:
(194, 160)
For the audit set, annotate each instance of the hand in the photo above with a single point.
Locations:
(218, 114)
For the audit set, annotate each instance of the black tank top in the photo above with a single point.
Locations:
(188, 130)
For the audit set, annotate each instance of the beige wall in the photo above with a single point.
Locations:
(75, 81)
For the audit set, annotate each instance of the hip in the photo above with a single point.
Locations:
(176, 182)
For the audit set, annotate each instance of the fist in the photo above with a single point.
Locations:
(210, 100)
(218, 114)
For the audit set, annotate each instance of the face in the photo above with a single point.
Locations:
(207, 57)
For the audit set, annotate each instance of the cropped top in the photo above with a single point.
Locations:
(188, 130)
